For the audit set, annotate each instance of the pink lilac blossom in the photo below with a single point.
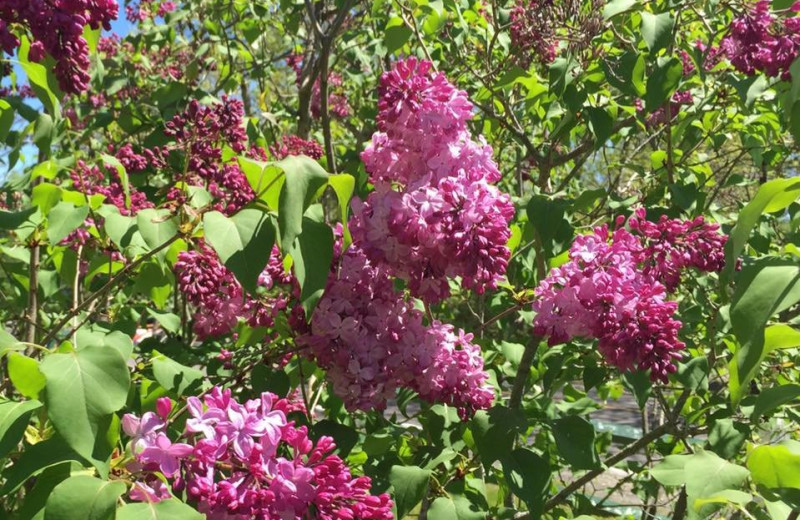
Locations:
(371, 340)
(613, 289)
(761, 41)
(242, 461)
(435, 213)
(57, 30)
(219, 299)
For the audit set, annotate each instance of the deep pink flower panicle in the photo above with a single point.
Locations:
(615, 285)
(435, 214)
(246, 460)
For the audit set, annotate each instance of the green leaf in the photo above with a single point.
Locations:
(35, 499)
(304, 177)
(173, 376)
(156, 226)
(548, 218)
(763, 289)
(395, 35)
(110, 160)
(663, 82)
(575, 438)
(615, 7)
(774, 397)
(602, 124)
(671, 471)
(772, 196)
(171, 509)
(343, 185)
(453, 507)
(728, 496)
(14, 418)
(25, 374)
(494, 432)
(84, 498)
(43, 132)
(266, 179)
(35, 460)
(243, 242)
(82, 389)
(775, 466)
(41, 80)
(528, 475)
(171, 322)
(312, 254)
(706, 475)
(124, 233)
(63, 219)
(9, 343)
(727, 437)
(46, 196)
(410, 485)
(6, 119)
(657, 30)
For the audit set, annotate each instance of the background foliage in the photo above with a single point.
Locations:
(592, 109)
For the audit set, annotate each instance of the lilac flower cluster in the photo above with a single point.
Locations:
(57, 30)
(673, 245)
(294, 145)
(372, 340)
(202, 131)
(91, 180)
(242, 461)
(659, 116)
(615, 290)
(538, 28)
(435, 213)
(220, 300)
(761, 41)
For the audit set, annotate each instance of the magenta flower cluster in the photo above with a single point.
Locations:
(56, 27)
(533, 31)
(372, 340)
(761, 41)
(245, 461)
(148, 9)
(294, 145)
(614, 288)
(435, 213)
(202, 132)
(219, 299)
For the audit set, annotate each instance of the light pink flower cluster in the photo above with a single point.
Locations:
(57, 30)
(218, 297)
(761, 41)
(612, 289)
(372, 340)
(245, 461)
(435, 213)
